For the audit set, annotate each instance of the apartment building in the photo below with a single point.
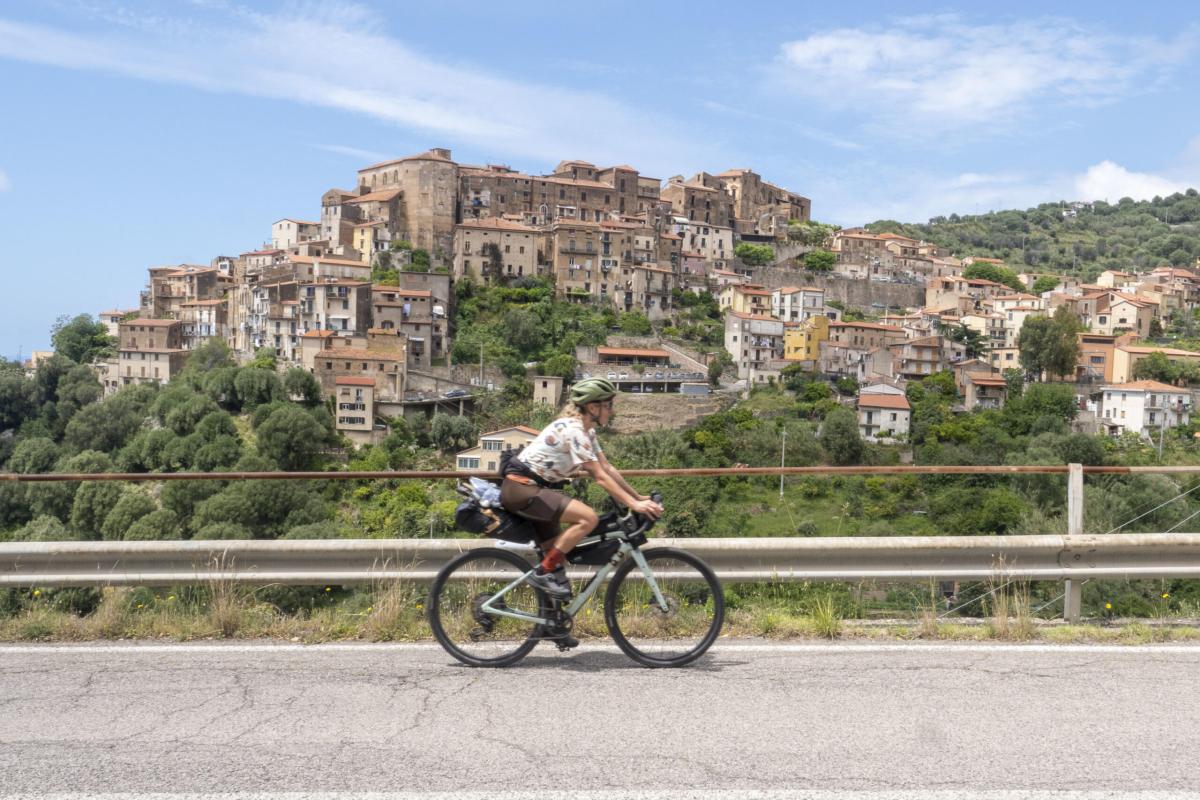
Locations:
(1125, 358)
(883, 415)
(1143, 407)
(486, 454)
(754, 340)
(746, 299)
(417, 196)
(204, 320)
(354, 396)
(864, 335)
(494, 244)
(149, 351)
(803, 342)
(384, 368)
(797, 303)
(699, 203)
(760, 208)
(984, 390)
(286, 233)
(171, 287)
(416, 314)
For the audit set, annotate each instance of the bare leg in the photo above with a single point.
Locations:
(581, 520)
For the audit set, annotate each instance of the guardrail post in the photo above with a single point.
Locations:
(1073, 597)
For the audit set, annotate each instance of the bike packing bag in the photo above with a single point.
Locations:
(594, 554)
(495, 523)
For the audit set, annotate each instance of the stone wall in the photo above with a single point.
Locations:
(853, 292)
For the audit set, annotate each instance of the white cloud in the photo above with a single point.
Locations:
(1110, 181)
(333, 56)
(5, 183)
(933, 72)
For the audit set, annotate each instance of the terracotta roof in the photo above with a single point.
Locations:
(263, 252)
(1146, 386)
(986, 379)
(370, 224)
(317, 334)
(151, 322)
(497, 223)
(521, 428)
(403, 292)
(872, 400)
(297, 221)
(763, 317)
(383, 195)
(1166, 351)
(428, 155)
(359, 354)
(631, 351)
(354, 380)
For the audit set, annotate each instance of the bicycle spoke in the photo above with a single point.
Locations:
(473, 633)
(668, 636)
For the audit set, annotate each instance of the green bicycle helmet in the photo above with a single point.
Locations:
(592, 390)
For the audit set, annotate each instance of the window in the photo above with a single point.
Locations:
(490, 444)
(468, 463)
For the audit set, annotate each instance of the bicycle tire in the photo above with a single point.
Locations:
(443, 590)
(688, 594)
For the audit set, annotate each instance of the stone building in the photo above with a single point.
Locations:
(519, 248)
(385, 369)
(149, 351)
(426, 207)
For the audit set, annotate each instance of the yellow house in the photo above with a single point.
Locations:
(746, 299)
(486, 454)
(803, 342)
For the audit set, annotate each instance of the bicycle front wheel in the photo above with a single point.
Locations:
(677, 634)
(475, 636)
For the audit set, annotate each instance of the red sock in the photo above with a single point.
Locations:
(553, 560)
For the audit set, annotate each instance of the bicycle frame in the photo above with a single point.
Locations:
(625, 550)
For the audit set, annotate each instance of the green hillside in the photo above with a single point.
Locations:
(1074, 238)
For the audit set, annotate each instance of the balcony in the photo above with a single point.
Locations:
(578, 248)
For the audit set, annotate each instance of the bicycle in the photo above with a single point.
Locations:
(667, 613)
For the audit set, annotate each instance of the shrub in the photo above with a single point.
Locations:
(157, 525)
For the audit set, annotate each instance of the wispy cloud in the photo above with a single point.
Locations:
(292, 56)
(354, 152)
(934, 72)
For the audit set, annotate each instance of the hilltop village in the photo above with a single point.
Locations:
(364, 298)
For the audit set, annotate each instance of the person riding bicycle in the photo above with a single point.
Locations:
(567, 448)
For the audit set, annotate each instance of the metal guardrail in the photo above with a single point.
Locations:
(351, 561)
(1072, 558)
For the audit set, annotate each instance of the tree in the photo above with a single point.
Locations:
(1045, 283)
(561, 365)
(449, 432)
(755, 255)
(82, 339)
(292, 438)
(107, 425)
(971, 339)
(132, 506)
(819, 260)
(635, 323)
(256, 386)
(994, 273)
(213, 354)
(299, 384)
(840, 437)
(493, 264)
(1050, 345)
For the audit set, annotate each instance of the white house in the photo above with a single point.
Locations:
(883, 415)
(1145, 407)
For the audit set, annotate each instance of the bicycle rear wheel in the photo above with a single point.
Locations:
(689, 625)
(470, 634)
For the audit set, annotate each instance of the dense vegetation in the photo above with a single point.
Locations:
(1077, 239)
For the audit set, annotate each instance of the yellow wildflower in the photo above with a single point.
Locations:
(1108, 606)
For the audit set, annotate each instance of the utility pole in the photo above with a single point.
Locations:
(782, 461)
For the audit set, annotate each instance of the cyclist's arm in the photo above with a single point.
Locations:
(619, 478)
(632, 500)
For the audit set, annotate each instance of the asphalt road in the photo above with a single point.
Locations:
(752, 719)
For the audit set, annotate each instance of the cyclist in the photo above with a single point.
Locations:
(566, 448)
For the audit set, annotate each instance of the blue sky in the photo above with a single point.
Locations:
(141, 134)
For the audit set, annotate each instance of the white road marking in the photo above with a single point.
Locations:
(717, 649)
(678, 794)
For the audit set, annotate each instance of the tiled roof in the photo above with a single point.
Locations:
(1146, 386)
(884, 401)
(383, 195)
(521, 428)
(359, 354)
(870, 325)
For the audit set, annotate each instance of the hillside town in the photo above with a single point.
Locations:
(884, 310)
